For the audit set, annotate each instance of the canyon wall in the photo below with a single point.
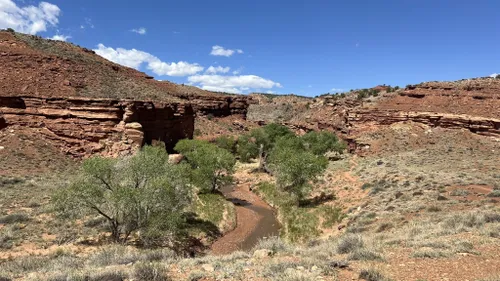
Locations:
(476, 124)
(85, 126)
(218, 105)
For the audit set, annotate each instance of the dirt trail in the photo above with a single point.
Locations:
(254, 221)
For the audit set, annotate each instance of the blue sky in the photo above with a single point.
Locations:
(302, 47)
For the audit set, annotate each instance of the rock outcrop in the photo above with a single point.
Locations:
(219, 105)
(476, 124)
(85, 126)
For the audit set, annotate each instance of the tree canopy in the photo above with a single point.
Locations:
(142, 192)
(212, 166)
(294, 160)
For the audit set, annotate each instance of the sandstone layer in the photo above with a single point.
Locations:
(84, 126)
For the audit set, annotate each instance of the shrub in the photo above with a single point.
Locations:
(14, 218)
(459, 192)
(143, 192)
(108, 276)
(433, 209)
(226, 142)
(196, 275)
(371, 275)
(349, 243)
(247, 148)
(150, 272)
(321, 142)
(364, 255)
(429, 253)
(212, 166)
(7, 237)
(275, 244)
(494, 193)
(384, 226)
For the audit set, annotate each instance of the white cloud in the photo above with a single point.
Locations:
(238, 71)
(494, 75)
(140, 30)
(60, 37)
(181, 68)
(217, 69)
(232, 84)
(309, 86)
(135, 58)
(131, 58)
(28, 19)
(220, 51)
(336, 90)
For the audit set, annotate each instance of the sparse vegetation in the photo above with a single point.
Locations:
(349, 243)
(14, 218)
(150, 272)
(371, 274)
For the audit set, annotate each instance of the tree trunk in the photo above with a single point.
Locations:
(115, 233)
(214, 183)
(262, 158)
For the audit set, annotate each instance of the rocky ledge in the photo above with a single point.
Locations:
(479, 125)
(86, 126)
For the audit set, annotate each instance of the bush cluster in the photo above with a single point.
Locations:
(292, 159)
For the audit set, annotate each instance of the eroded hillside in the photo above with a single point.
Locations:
(83, 104)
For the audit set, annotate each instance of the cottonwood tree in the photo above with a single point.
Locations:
(321, 142)
(142, 193)
(294, 168)
(212, 166)
(259, 142)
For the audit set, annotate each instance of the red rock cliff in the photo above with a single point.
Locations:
(83, 126)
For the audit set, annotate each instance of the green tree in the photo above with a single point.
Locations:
(143, 192)
(212, 166)
(247, 148)
(321, 142)
(295, 168)
(259, 142)
(226, 142)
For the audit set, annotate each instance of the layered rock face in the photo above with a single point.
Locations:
(472, 104)
(219, 105)
(85, 126)
(473, 97)
(475, 124)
